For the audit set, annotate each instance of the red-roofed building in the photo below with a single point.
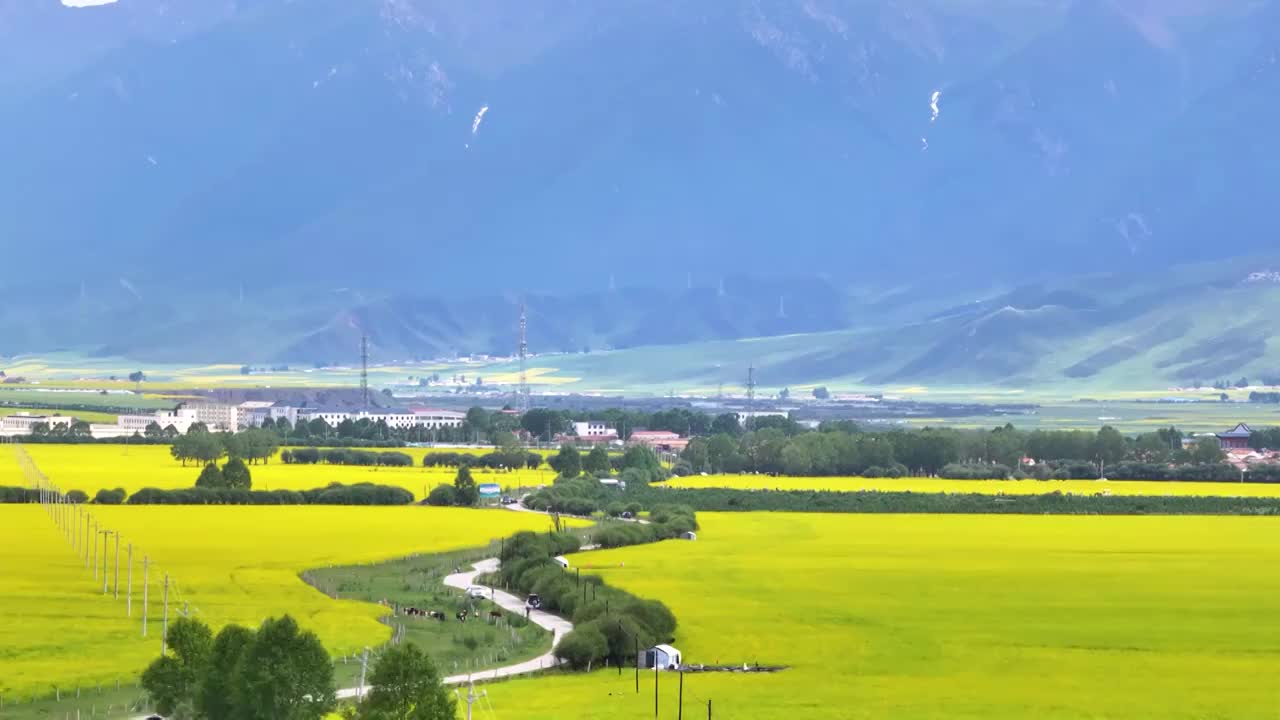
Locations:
(659, 440)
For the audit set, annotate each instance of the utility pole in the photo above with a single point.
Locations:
(751, 394)
(680, 705)
(637, 664)
(87, 519)
(165, 628)
(129, 588)
(96, 533)
(472, 696)
(146, 566)
(115, 593)
(105, 534)
(708, 710)
(655, 688)
(364, 668)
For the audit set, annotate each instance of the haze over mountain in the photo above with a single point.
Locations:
(361, 164)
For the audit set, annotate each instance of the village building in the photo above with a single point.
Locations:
(664, 440)
(22, 423)
(1235, 439)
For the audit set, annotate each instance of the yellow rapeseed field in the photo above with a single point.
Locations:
(133, 467)
(988, 487)
(904, 617)
(231, 564)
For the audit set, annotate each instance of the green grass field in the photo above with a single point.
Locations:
(133, 467)
(987, 487)
(949, 617)
(230, 564)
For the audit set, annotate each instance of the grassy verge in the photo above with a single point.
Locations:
(457, 647)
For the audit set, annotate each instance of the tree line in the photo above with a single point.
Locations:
(844, 449)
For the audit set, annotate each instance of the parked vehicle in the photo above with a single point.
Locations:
(477, 592)
(534, 602)
(508, 500)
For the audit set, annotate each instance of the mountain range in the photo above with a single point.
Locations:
(919, 187)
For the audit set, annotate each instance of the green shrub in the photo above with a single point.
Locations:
(442, 495)
(583, 648)
(109, 497)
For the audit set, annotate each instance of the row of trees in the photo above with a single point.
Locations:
(199, 445)
(843, 449)
(281, 672)
(345, 456)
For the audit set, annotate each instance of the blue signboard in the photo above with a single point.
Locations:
(490, 490)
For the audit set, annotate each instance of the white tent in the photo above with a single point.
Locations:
(660, 657)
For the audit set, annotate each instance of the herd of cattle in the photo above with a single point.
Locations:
(437, 615)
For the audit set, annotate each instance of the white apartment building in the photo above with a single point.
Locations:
(254, 412)
(216, 415)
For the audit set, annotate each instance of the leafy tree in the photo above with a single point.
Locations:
(643, 459)
(597, 461)
(464, 487)
(544, 423)
(406, 686)
(235, 474)
(283, 674)
(821, 393)
(77, 496)
(211, 477)
(697, 455)
(726, 424)
(137, 376)
(1207, 450)
(172, 679)
(784, 394)
(1110, 445)
(215, 696)
(567, 462)
(153, 431)
(478, 419)
(197, 428)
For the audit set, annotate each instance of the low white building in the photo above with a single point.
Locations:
(399, 419)
(22, 423)
(180, 420)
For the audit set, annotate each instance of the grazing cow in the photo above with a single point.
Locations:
(495, 615)
(435, 615)
(462, 616)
